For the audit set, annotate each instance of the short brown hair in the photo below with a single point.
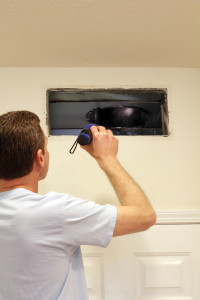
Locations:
(20, 138)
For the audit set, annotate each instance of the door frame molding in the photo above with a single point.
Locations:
(178, 216)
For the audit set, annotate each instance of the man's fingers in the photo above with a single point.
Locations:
(94, 129)
(100, 130)
(109, 132)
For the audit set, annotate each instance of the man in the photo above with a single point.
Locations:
(40, 236)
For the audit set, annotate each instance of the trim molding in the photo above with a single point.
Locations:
(176, 217)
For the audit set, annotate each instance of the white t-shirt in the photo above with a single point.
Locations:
(40, 238)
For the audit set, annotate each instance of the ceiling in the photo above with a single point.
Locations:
(100, 33)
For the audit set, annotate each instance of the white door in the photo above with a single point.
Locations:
(162, 263)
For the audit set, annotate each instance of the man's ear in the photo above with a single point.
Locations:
(39, 158)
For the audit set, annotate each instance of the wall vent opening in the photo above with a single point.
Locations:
(124, 111)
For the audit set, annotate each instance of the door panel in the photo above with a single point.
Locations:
(160, 264)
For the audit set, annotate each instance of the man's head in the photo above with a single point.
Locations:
(20, 139)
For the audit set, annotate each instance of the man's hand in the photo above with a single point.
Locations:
(104, 145)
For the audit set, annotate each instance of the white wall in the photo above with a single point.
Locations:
(166, 168)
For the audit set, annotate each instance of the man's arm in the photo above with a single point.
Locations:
(135, 213)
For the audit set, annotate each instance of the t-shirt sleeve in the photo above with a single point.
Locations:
(88, 223)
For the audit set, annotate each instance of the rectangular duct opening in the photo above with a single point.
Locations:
(124, 111)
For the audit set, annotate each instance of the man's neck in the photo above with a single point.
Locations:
(27, 182)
